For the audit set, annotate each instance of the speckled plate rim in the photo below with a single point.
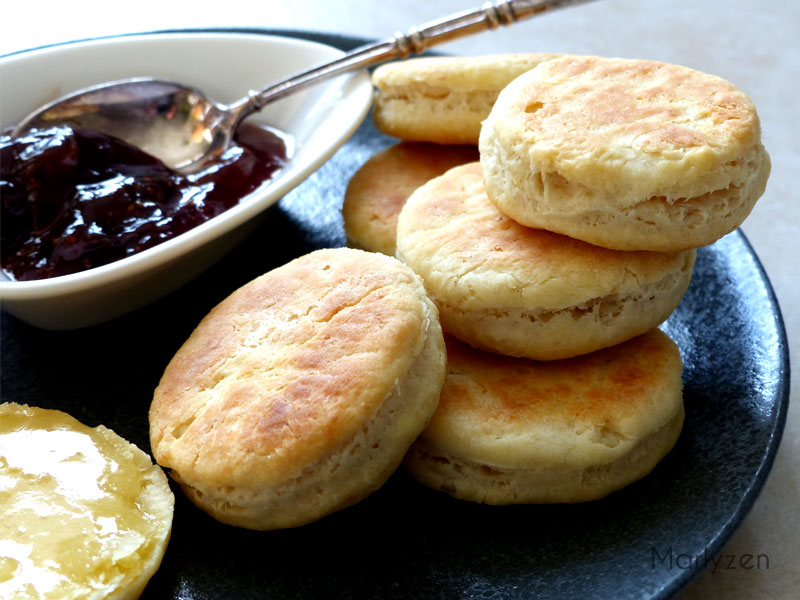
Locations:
(781, 402)
(682, 577)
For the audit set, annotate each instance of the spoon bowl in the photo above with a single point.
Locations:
(155, 115)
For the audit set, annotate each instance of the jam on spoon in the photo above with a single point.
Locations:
(75, 199)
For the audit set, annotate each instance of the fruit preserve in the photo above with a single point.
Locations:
(75, 199)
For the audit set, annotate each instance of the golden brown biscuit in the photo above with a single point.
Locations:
(625, 154)
(443, 99)
(300, 393)
(507, 288)
(510, 430)
(378, 190)
(86, 514)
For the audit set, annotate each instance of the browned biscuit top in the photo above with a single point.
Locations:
(380, 188)
(657, 105)
(470, 253)
(634, 128)
(287, 369)
(444, 74)
(516, 412)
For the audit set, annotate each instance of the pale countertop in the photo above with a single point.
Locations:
(755, 45)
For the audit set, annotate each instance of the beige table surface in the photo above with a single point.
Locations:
(756, 45)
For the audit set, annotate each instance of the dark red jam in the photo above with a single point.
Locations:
(74, 199)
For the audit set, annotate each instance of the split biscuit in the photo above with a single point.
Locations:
(86, 514)
(443, 99)
(514, 431)
(299, 394)
(378, 190)
(511, 289)
(625, 154)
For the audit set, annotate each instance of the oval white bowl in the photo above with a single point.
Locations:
(225, 66)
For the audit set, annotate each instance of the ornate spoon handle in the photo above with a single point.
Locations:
(418, 39)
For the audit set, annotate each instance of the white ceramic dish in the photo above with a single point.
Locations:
(225, 66)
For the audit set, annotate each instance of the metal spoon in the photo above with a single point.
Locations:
(185, 129)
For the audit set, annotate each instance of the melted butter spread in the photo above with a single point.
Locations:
(73, 524)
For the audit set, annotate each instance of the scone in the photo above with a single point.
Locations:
(625, 154)
(443, 99)
(299, 394)
(511, 289)
(513, 431)
(86, 514)
(378, 190)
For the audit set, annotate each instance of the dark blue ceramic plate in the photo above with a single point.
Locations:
(407, 541)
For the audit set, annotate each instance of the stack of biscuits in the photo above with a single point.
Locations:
(540, 214)
(553, 256)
